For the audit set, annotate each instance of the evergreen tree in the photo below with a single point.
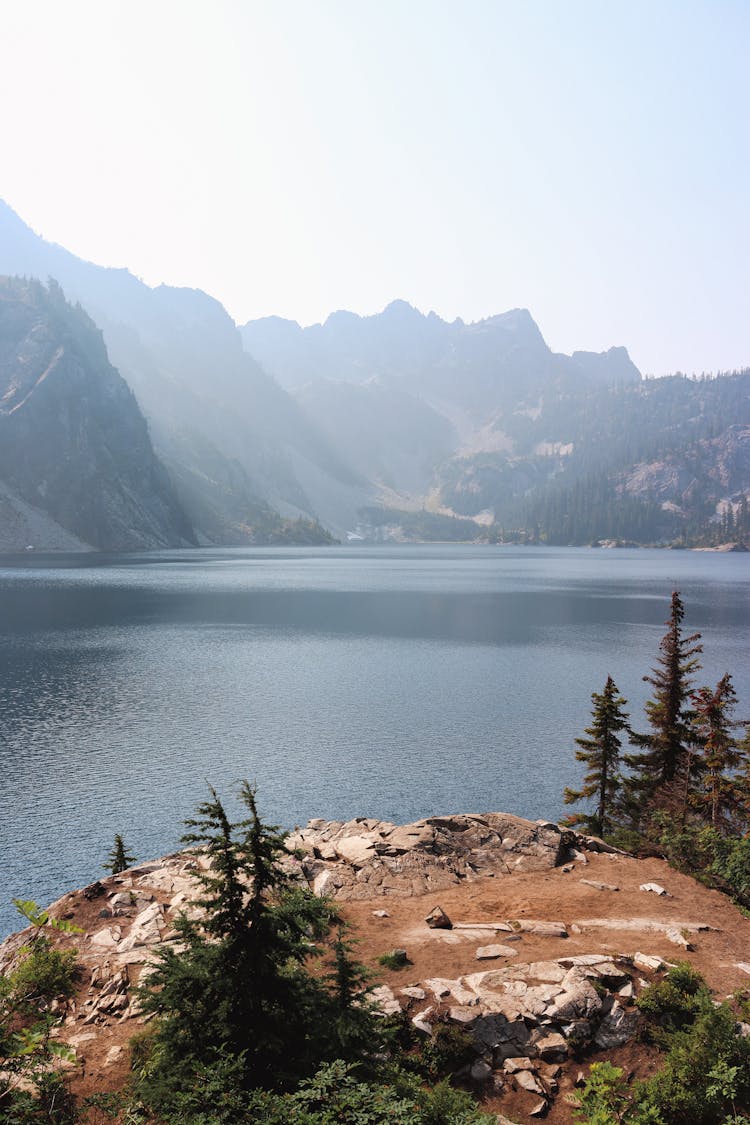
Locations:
(118, 859)
(239, 988)
(720, 797)
(743, 781)
(601, 753)
(351, 1010)
(662, 772)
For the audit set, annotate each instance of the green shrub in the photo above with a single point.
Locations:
(606, 1100)
(395, 960)
(674, 1002)
(43, 974)
(706, 1075)
(731, 864)
(333, 1094)
(446, 1051)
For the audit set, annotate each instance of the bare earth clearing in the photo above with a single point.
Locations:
(567, 952)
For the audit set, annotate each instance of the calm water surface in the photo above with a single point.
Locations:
(392, 682)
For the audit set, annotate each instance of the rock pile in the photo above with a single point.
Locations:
(363, 858)
(526, 1019)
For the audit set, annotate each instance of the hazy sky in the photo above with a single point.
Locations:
(587, 159)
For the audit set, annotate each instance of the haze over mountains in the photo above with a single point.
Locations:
(398, 421)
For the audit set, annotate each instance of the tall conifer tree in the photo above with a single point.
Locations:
(662, 771)
(601, 753)
(720, 796)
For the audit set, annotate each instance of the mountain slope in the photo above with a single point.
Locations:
(566, 448)
(73, 442)
(210, 407)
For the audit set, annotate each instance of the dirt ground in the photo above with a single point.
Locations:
(552, 895)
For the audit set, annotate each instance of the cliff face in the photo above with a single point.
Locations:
(73, 444)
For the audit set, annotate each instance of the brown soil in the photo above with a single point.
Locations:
(553, 895)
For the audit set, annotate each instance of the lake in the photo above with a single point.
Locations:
(387, 681)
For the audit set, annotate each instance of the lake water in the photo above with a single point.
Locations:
(393, 682)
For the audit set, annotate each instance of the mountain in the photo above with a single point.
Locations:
(238, 446)
(483, 421)
(77, 468)
(405, 424)
(475, 367)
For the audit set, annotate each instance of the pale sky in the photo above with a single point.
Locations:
(586, 159)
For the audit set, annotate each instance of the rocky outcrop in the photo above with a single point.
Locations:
(531, 991)
(75, 452)
(365, 857)
(526, 1019)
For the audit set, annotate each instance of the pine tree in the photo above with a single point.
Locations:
(720, 797)
(118, 859)
(743, 781)
(662, 773)
(239, 987)
(352, 1011)
(601, 753)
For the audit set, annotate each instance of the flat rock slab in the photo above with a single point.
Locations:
(541, 929)
(677, 938)
(599, 886)
(500, 927)
(647, 925)
(655, 888)
(654, 964)
(489, 952)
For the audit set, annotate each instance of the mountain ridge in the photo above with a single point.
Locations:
(358, 419)
(73, 443)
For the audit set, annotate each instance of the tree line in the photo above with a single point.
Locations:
(684, 786)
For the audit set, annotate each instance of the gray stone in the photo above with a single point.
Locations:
(527, 1080)
(616, 1029)
(514, 1065)
(501, 927)
(550, 971)
(437, 919)
(422, 1021)
(490, 952)
(552, 1048)
(654, 888)
(460, 1013)
(541, 929)
(480, 1071)
(599, 886)
(646, 961)
(356, 850)
(677, 938)
(384, 999)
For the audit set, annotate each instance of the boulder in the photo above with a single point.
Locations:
(616, 1029)
(552, 1048)
(527, 1080)
(437, 919)
(356, 850)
